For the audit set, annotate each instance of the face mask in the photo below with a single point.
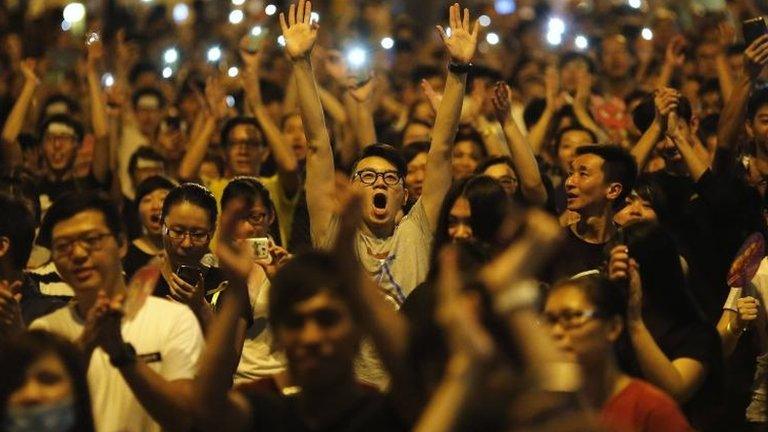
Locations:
(56, 417)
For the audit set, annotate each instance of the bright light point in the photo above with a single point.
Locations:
(387, 43)
(236, 16)
(171, 55)
(492, 38)
(556, 25)
(167, 72)
(66, 25)
(233, 71)
(270, 9)
(504, 7)
(448, 31)
(581, 42)
(356, 57)
(484, 20)
(238, 2)
(314, 17)
(554, 38)
(74, 12)
(108, 80)
(230, 101)
(256, 31)
(146, 1)
(635, 4)
(647, 34)
(281, 40)
(180, 12)
(214, 54)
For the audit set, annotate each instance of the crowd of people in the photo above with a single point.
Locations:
(532, 215)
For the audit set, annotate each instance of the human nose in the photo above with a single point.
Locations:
(311, 333)
(30, 394)
(463, 231)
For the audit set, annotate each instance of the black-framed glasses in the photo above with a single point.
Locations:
(195, 236)
(568, 319)
(92, 241)
(369, 177)
(507, 180)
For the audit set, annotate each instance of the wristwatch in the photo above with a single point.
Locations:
(459, 68)
(126, 357)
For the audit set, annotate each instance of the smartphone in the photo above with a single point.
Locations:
(189, 274)
(260, 247)
(753, 28)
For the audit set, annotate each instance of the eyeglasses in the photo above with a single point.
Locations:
(568, 319)
(90, 242)
(257, 218)
(195, 236)
(507, 180)
(369, 177)
(246, 142)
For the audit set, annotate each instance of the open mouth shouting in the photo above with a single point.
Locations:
(380, 200)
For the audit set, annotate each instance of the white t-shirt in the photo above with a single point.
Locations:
(166, 336)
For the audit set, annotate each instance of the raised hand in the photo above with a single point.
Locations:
(756, 56)
(183, 292)
(94, 51)
(583, 89)
(235, 258)
(300, 32)
(28, 70)
(675, 52)
(251, 59)
(462, 42)
(622, 267)
(215, 98)
(433, 97)
(665, 101)
(336, 67)
(502, 101)
(748, 309)
(10, 311)
(552, 89)
(89, 338)
(363, 93)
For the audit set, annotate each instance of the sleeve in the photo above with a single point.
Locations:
(417, 221)
(40, 324)
(183, 346)
(665, 416)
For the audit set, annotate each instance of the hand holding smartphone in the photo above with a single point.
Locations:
(190, 274)
(753, 28)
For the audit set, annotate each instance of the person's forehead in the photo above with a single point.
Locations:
(568, 296)
(498, 169)
(419, 159)
(157, 193)
(186, 212)
(589, 160)
(461, 207)
(376, 163)
(575, 137)
(323, 299)
(243, 129)
(86, 220)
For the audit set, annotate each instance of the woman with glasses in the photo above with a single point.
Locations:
(150, 195)
(586, 317)
(188, 223)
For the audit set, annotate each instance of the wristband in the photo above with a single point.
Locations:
(733, 295)
(459, 68)
(520, 295)
(126, 357)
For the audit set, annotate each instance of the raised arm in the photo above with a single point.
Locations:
(674, 58)
(12, 155)
(461, 48)
(287, 166)
(665, 101)
(526, 167)
(100, 166)
(538, 132)
(193, 158)
(300, 36)
(680, 133)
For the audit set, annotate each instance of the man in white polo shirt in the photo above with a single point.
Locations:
(133, 358)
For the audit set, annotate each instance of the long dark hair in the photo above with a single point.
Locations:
(21, 351)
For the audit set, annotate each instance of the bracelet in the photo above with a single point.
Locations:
(520, 295)
(459, 68)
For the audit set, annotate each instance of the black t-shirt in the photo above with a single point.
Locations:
(54, 189)
(371, 412)
(573, 257)
(35, 304)
(134, 259)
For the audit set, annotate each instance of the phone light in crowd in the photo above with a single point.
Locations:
(356, 57)
(281, 40)
(180, 12)
(171, 55)
(65, 25)
(635, 4)
(492, 38)
(233, 71)
(484, 20)
(314, 17)
(256, 31)
(214, 54)
(504, 7)
(236, 16)
(387, 43)
(74, 12)
(646, 33)
(270, 9)
(238, 2)
(556, 25)
(107, 80)
(448, 31)
(230, 101)
(554, 38)
(167, 72)
(581, 42)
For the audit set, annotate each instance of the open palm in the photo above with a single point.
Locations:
(462, 42)
(299, 31)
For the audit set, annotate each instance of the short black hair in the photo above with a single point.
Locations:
(573, 56)
(72, 105)
(414, 149)
(140, 68)
(301, 278)
(237, 121)
(609, 300)
(153, 183)
(386, 152)
(574, 128)
(426, 72)
(72, 203)
(64, 119)
(191, 193)
(645, 112)
(618, 167)
(21, 182)
(648, 189)
(17, 224)
(757, 100)
(496, 160)
(271, 92)
(148, 91)
(144, 152)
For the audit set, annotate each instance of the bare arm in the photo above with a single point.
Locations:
(100, 166)
(11, 149)
(680, 133)
(665, 101)
(461, 47)
(198, 146)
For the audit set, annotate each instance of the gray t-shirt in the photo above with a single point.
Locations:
(398, 263)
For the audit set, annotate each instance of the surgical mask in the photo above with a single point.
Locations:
(55, 417)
